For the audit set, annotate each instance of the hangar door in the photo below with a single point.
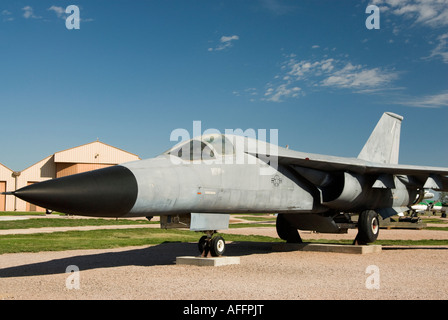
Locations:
(33, 207)
(2, 196)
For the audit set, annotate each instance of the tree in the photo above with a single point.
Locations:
(443, 197)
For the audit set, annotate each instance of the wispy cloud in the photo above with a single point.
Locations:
(433, 13)
(360, 78)
(251, 92)
(428, 101)
(442, 48)
(60, 12)
(7, 15)
(278, 7)
(28, 13)
(224, 43)
(282, 92)
(298, 76)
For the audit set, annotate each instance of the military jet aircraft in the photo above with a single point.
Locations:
(431, 206)
(199, 182)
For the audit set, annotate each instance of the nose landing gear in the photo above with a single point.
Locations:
(210, 246)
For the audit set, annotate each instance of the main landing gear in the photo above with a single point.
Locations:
(210, 246)
(287, 232)
(368, 227)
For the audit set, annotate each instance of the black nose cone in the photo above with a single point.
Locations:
(108, 192)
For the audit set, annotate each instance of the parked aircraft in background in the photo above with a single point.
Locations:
(430, 206)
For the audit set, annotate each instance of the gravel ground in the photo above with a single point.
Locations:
(150, 272)
(392, 234)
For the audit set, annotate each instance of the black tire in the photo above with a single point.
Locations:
(368, 227)
(285, 231)
(217, 246)
(202, 243)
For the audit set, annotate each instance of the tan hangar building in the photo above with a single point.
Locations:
(87, 157)
(7, 184)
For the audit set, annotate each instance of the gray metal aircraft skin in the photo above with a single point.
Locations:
(167, 188)
(302, 182)
(221, 174)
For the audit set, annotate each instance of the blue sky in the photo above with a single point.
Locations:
(136, 70)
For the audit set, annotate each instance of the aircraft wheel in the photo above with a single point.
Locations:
(368, 227)
(202, 244)
(285, 231)
(217, 246)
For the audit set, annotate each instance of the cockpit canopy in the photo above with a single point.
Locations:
(216, 146)
(203, 148)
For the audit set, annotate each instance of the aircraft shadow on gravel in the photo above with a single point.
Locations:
(162, 254)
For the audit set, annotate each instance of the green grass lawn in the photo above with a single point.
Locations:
(69, 222)
(58, 222)
(103, 239)
(106, 239)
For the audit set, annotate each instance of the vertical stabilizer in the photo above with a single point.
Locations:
(384, 142)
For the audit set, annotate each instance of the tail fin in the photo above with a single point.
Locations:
(384, 142)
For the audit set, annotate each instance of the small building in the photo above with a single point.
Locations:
(91, 156)
(7, 184)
